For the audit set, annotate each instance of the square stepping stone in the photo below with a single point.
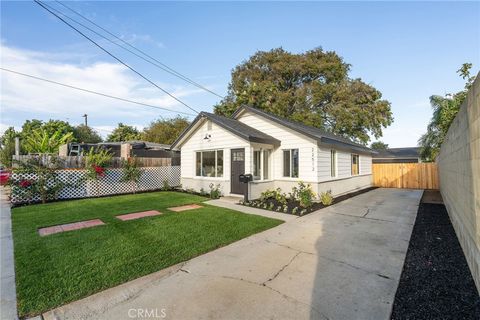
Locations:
(69, 227)
(138, 215)
(184, 208)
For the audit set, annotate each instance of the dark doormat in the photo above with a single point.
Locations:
(436, 282)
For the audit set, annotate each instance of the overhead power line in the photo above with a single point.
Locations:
(155, 61)
(113, 56)
(94, 92)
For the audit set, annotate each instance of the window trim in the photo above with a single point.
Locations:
(290, 163)
(216, 163)
(352, 155)
(333, 163)
(261, 173)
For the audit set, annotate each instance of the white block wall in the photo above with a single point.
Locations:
(459, 173)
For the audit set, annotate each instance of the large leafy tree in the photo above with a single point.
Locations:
(445, 109)
(311, 87)
(379, 145)
(51, 127)
(124, 133)
(7, 146)
(86, 134)
(165, 131)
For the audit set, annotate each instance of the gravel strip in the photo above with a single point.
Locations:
(436, 282)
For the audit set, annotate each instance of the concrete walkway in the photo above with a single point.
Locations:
(8, 298)
(232, 203)
(342, 262)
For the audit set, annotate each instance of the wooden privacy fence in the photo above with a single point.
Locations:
(405, 175)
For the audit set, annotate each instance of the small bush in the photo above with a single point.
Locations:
(215, 191)
(326, 198)
(303, 194)
(274, 195)
(166, 186)
(295, 210)
(279, 208)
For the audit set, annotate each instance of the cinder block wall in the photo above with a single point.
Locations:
(459, 172)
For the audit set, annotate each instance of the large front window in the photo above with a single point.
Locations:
(261, 167)
(290, 163)
(209, 163)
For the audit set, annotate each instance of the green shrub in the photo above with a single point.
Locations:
(303, 194)
(215, 191)
(131, 173)
(166, 186)
(294, 211)
(274, 195)
(45, 182)
(326, 198)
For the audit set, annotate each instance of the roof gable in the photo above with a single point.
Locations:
(236, 127)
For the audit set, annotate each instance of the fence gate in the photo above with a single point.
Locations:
(405, 175)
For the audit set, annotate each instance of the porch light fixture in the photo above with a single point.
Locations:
(207, 136)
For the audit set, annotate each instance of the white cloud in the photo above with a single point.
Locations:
(21, 94)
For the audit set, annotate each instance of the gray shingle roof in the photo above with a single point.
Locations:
(236, 127)
(312, 132)
(411, 152)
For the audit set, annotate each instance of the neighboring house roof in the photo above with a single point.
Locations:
(398, 153)
(138, 144)
(236, 127)
(312, 132)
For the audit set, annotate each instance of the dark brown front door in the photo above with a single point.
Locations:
(237, 168)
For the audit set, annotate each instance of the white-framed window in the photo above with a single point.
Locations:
(209, 163)
(290, 163)
(355, 164)
(261, 164)
(333, 163)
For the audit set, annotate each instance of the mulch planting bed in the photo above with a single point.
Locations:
(436, 282)
(272, 204)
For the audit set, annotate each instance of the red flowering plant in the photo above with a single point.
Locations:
(96, 162)
(25, 183)
(35, 179)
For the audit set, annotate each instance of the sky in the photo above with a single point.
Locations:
(407, 50)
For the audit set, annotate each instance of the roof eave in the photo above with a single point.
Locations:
(336, 143)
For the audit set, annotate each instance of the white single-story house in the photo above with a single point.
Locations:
(277, 152)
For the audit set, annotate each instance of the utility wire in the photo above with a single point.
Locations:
(155, 62)
(93, 92)
(115, 57)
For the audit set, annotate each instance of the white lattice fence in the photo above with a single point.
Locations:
(77, 186)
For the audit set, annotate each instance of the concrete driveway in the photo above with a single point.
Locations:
(342, 262)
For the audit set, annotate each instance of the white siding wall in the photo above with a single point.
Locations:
(220, 139)
(289, 140)
(365, 164)
(344, 164)
(314, 162)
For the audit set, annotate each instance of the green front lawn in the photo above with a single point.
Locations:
(60, 268)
